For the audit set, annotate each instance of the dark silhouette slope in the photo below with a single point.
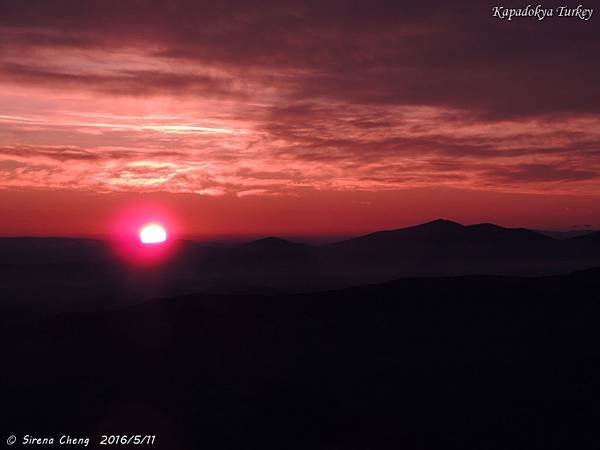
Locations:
(36, 250)
(455, 363)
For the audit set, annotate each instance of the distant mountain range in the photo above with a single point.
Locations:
(440, 237)
(88, 269)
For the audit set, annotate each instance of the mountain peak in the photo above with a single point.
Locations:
(440, 223)
(271, 242)
(486, 226)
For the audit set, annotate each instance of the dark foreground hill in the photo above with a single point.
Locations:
(450, 363)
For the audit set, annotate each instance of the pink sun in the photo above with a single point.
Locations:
(145, 234)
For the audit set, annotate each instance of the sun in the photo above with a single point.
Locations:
(153, 234)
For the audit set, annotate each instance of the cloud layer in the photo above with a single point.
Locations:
(258, 98)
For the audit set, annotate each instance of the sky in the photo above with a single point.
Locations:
(295, 118)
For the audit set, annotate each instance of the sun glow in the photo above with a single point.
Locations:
(153, 234)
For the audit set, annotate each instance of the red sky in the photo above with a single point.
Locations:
(295, 118)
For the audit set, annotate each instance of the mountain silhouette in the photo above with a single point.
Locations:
(52, 250)
(271, 249)
(444, 232)
(444, 247)
(421, 337)
(84, 273)
(566, 234)
(269, 243)
(591, 239)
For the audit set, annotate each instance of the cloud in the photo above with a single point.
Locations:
(259, 98)
(533, 173)
(385, 53)
(127, 82)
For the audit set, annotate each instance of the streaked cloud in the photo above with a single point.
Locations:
(251, 100)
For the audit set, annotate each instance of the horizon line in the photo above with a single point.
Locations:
(331, 237)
